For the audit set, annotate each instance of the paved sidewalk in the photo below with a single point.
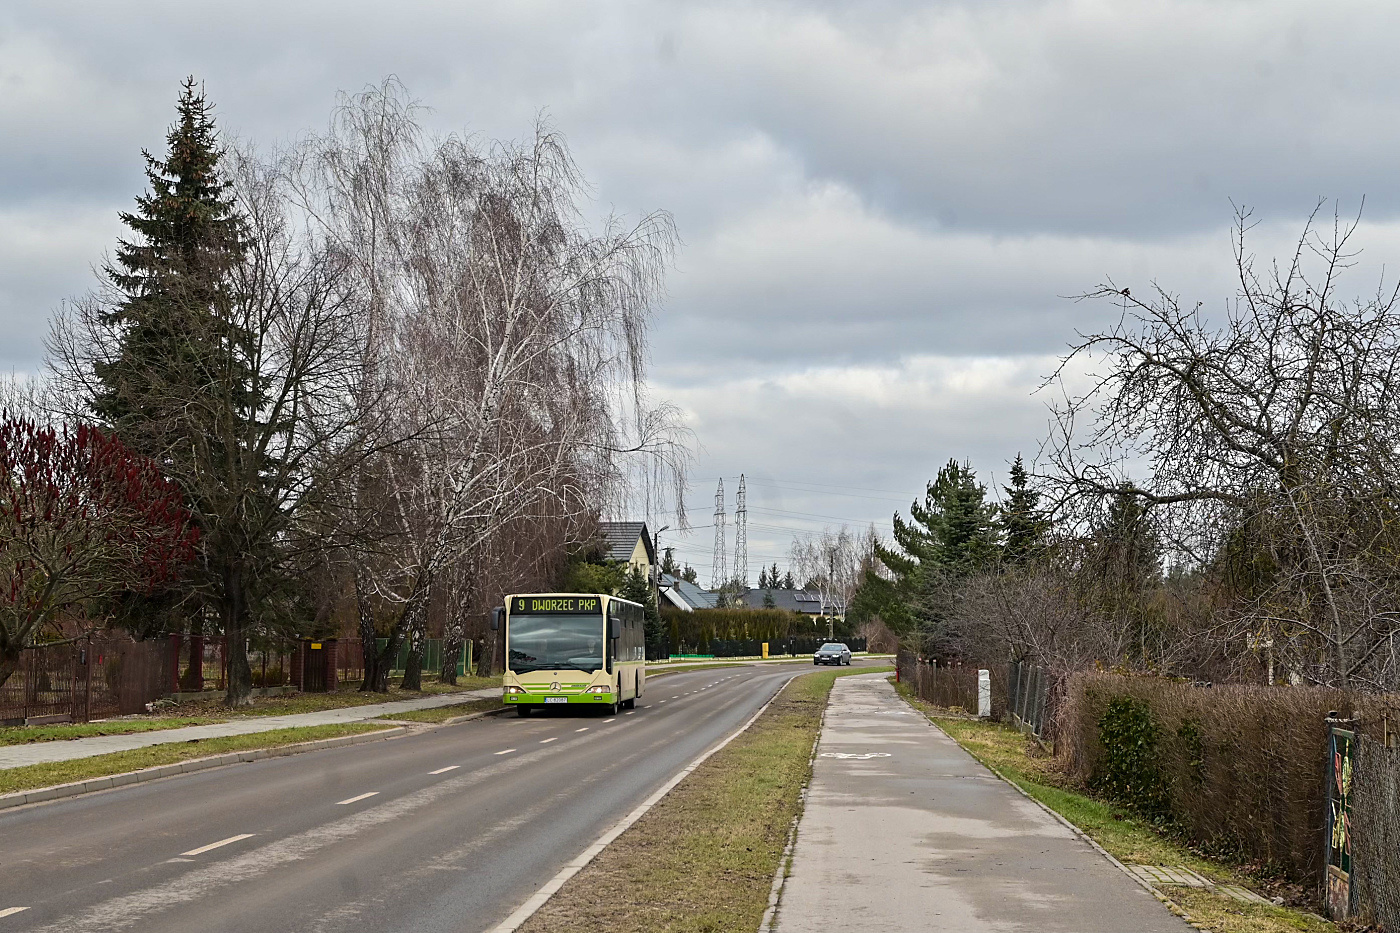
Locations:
(15, 756)
(905, 831)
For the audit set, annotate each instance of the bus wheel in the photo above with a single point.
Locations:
(630, 704)
(522, 711)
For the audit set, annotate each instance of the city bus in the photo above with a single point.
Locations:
(572, 650)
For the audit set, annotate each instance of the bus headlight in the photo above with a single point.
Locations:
(514, 690)
(600, 689)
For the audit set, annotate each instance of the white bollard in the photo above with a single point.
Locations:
(984, 694)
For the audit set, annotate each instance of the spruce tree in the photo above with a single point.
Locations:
(179, 386)
(947, 536)
(179, 352)
(1023, 526)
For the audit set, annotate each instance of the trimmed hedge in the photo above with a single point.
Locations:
(703, 626)
(1240, 770)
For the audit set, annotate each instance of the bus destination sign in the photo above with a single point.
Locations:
(558, 604)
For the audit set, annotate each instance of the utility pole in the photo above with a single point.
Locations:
(656, 570)
(831, 588)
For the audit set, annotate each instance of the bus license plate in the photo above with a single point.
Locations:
(556, 699)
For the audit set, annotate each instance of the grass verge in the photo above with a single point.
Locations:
(316, 702)
(1022, 762)
(703, 858)
(59, 732)
(444, 713)
(30, 777)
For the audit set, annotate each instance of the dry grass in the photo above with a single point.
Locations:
(703, 859)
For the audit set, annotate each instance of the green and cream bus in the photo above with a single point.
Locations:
(573, 649)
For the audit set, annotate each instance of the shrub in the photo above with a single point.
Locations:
(1239, 770)
(1128, 769)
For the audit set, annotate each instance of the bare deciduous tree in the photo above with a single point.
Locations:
(511, 337)
(1271, 435)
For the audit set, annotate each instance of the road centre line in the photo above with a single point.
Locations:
(342, 803)
(11, 911)
(222, 842)
(584, 729)
(505, 751)
(547, 741)
(445, 770)
(608, 720)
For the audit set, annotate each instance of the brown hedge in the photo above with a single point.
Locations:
(1244, 767)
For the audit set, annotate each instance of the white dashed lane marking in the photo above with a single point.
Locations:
(584, 729)
(445, 770)
(505, 751)
(342, 803)
(11, 911)
(222, 842)
(609, 720)
(547, 741)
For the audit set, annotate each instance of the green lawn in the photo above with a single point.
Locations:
(79, 769)
(444, 713)
(24, 735)
(1022, 762)
(213, 703)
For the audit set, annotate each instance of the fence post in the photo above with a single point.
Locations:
(984, 694)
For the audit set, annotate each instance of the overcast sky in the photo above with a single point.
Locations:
(883, 204)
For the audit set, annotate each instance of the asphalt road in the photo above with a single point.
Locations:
(445, 830)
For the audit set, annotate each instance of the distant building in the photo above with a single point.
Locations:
(629, 542)
(689, 597)
(806, 602)
(685, 595)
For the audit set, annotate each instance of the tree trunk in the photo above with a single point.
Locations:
(451, 653)
(193, 680)
(415, 624)
(368, 637)
(413, 665)
(240, 675)
(9, 663)
(486, 664)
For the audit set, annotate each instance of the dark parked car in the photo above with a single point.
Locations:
(832, 653)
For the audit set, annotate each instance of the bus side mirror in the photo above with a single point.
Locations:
(496, 615)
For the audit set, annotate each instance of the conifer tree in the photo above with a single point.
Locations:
(948, 535)
(1023, 526)
(179, 386)
(179, 351)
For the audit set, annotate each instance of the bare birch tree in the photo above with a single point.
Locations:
(512, 335)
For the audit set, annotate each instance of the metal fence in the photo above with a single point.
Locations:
(91, 678)
(1372, 833)
(951, 686)
(1027, 697)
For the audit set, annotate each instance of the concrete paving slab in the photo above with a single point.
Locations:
(904, 831)
(15, 756)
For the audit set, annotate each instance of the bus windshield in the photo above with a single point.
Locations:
(555, 642)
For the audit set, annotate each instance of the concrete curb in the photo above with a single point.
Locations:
(1170, 904)
(527, 910)
(468, 717)
(107, 782)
